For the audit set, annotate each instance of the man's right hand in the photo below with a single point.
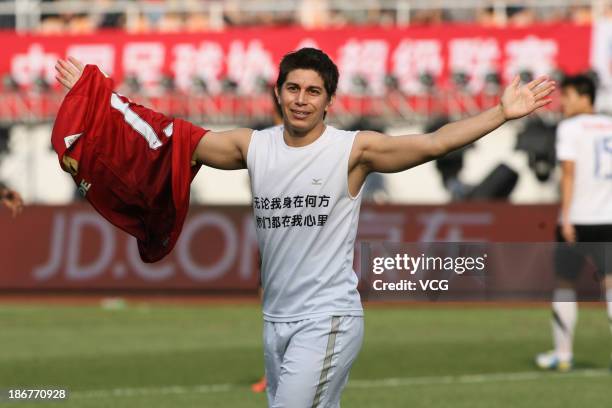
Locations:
(569, 232)
(68, 72)
(11, 200)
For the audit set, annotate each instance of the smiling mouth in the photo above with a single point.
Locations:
(300, 114)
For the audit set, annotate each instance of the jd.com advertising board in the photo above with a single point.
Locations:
(72, 248)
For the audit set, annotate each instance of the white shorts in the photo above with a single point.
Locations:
(308, 361)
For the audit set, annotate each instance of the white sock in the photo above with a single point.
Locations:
(565, 312)
(609, 302)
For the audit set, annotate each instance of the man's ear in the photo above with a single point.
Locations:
(331, 101)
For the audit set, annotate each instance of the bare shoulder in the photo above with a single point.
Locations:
(364, 140)
(240, 137)
(369, 135)
(367, 139)
(238, 134)
(225, 150)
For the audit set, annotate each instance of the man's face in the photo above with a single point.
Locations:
(303, 99)
(573, 103)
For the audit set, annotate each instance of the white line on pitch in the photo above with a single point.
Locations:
(474, 378)
(385, 382)
(145, 391)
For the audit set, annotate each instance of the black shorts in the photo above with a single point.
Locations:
(592, 241)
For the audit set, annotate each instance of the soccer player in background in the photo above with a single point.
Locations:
(306, 181)
(584, 148)
(11, 199)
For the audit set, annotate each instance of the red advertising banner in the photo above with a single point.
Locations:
(73, 248)
(249, 56)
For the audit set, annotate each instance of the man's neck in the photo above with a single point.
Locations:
(295, 138)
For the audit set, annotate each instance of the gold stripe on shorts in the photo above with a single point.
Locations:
(331, 342)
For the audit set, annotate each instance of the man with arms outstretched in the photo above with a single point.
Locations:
(306, 180)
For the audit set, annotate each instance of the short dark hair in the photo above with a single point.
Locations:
(582, 84)
(310, 58)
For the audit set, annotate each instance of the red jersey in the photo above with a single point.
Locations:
(134, 164)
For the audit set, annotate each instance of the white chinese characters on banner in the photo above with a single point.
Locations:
(475, 57)
(532, 54)
(412, 58)
(204, 62)
(366, 59)
(144, 60)
(248, 64)
(102, 55)
(35, 63)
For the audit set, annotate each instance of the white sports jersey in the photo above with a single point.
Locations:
(587, 141)
(306, 222)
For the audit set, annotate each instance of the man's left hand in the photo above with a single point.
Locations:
(520, 100)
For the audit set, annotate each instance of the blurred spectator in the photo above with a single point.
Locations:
(488, 17)
(387, 18)
(140, 24)
(581, 14)
(170, 23)
(79, 23)
(153, 11)
(463, 15)
(7, 21)
(109, 18)
(555, 15)
(372, 15)
(520, 16)
(66, 22)
(337, 19)
(197, 22)
(231, 12)
(199, 15)
(51, 23)
(428, 17)
(313, 14)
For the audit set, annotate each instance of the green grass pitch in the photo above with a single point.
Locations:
(152, 355)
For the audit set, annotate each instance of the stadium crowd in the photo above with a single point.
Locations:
(173, 16)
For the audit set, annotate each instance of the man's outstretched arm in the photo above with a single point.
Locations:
(222, 150)
(381, 153)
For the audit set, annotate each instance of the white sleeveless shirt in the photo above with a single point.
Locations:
(306, 222)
